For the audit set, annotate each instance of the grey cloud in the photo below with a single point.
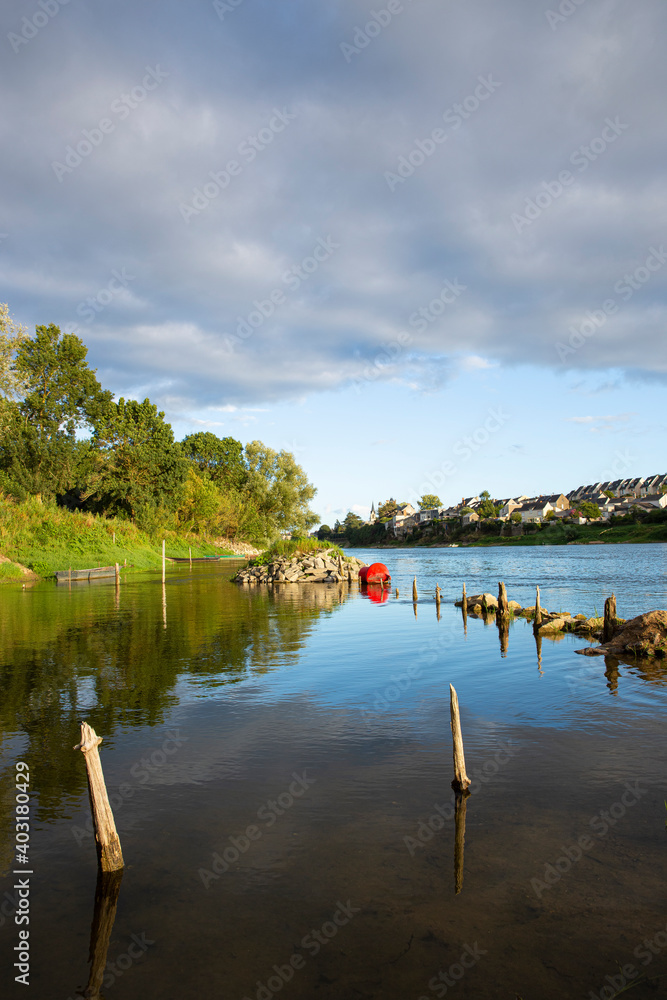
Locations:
(324, 175)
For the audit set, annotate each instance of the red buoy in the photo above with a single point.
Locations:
(375, 573)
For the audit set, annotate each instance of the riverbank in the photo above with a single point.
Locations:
(546, 534)
(37, 540)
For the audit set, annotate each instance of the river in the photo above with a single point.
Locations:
(279, 764)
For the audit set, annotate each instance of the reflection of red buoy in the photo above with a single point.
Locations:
(375, 573)
(376, 593)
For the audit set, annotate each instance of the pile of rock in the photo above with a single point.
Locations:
(324, 567)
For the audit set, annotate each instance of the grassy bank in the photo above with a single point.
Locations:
(45, 538)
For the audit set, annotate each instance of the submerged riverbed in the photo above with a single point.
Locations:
(279, 762)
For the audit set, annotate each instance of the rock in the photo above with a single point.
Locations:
(514, 606)
(555, 625)
(645, 635)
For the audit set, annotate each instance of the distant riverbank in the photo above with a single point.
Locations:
(547, 534)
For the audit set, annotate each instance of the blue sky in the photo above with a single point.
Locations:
(364, 233)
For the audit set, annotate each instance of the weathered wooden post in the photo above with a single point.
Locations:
(190, 552)
(397, 593)
(109, 854)
(117, 568)
(164, 562)
(609, 626)
(503, 612)
(537, 621)
(437, 601)
(461, 780)
(464, 597)
(414, 589)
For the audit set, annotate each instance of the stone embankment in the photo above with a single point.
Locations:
(325, 567)
(552, 621)
(242, 549)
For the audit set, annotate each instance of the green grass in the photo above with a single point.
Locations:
(295, 547)
(47, 538)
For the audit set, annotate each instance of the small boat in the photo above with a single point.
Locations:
(79, 575)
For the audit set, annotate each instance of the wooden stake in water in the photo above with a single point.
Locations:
(397, 593)
(464, 597)
(190, 552)
(538, 609)
(609, 619)
(117, 567)
(503, 611)
(164, 563)
(414, 589)
(109, 854)
(461, 780)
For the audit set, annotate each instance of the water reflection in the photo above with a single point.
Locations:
(104, 916)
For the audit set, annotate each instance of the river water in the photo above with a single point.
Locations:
(279, 763)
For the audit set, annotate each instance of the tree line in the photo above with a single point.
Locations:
(64, 438)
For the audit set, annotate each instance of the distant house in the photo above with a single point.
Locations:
(534, 511)
(508, 506)
(558, 501)
(469, 518)
(430, 514)
(653, 484)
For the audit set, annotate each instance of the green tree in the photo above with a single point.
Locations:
(137, 463)
(429, 501)
(324, 531)
(487, 508)
(219, 458)
(485, 495)
(352, 520)
(466, 510)
(199, 507)
(387, 510)
(589, 510)
(60, 395)
(515, 517)
(280, 490)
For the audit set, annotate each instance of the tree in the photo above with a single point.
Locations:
(219, 458)
(485, 495)
(137, 463)
(387, 510)
(466, 510)
(200, 503)
(324, 531)
(428, 501)
(589, 510)
(12, 335)
(609, 493)
(515, 517)
(280, 489)
(352, 520)
(487, 508)
(60, 394)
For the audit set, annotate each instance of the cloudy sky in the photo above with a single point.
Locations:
(421, 244)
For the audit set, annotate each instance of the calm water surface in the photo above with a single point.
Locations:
(279, 762)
